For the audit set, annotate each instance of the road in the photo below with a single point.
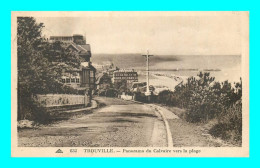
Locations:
(118, 124)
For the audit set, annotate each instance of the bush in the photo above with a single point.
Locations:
(204, 99)
(167, 97)
(229, 126)
(111, 93)
(32, 110)
(140, 97)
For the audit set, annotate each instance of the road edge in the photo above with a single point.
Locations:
(168, 131)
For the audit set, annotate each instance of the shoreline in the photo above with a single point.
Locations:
(162, 80)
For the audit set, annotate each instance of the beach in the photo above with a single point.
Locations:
(167, 71)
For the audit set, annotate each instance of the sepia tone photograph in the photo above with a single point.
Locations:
(148, 84)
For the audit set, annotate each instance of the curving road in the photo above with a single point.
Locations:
(118, 124)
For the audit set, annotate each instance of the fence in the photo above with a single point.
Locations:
(54, 100)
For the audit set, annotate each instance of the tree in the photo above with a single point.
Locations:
(40, 63)
(121, 86)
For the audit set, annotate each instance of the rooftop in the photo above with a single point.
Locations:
(81, 48)
(125, 70)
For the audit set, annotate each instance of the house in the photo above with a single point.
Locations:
(75, 43)
(140, 87)
(87, 75)
(82, 78)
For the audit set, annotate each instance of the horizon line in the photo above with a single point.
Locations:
(169, 54)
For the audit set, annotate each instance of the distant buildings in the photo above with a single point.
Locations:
(111, 72)
(129, 76)
(138, 87)
(84, 77)
(105, 67)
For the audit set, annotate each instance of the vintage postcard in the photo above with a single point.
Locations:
(130, 84)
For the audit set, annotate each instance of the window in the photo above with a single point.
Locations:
(91, 73)
(67, 80)
(73, 80)
(63, 80)
(77, 80)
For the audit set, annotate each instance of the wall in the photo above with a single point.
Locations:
(53, 100)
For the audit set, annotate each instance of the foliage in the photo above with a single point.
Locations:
(106, 86)
(167, 97)
(40, 64)
(32, 110)
(111, 92)
(121, 87)
(229, 126)
(205, 99)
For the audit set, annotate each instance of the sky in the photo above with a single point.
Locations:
(161, 33)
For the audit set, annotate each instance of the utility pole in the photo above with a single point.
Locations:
(147, 93)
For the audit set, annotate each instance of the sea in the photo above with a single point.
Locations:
(222, 67)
